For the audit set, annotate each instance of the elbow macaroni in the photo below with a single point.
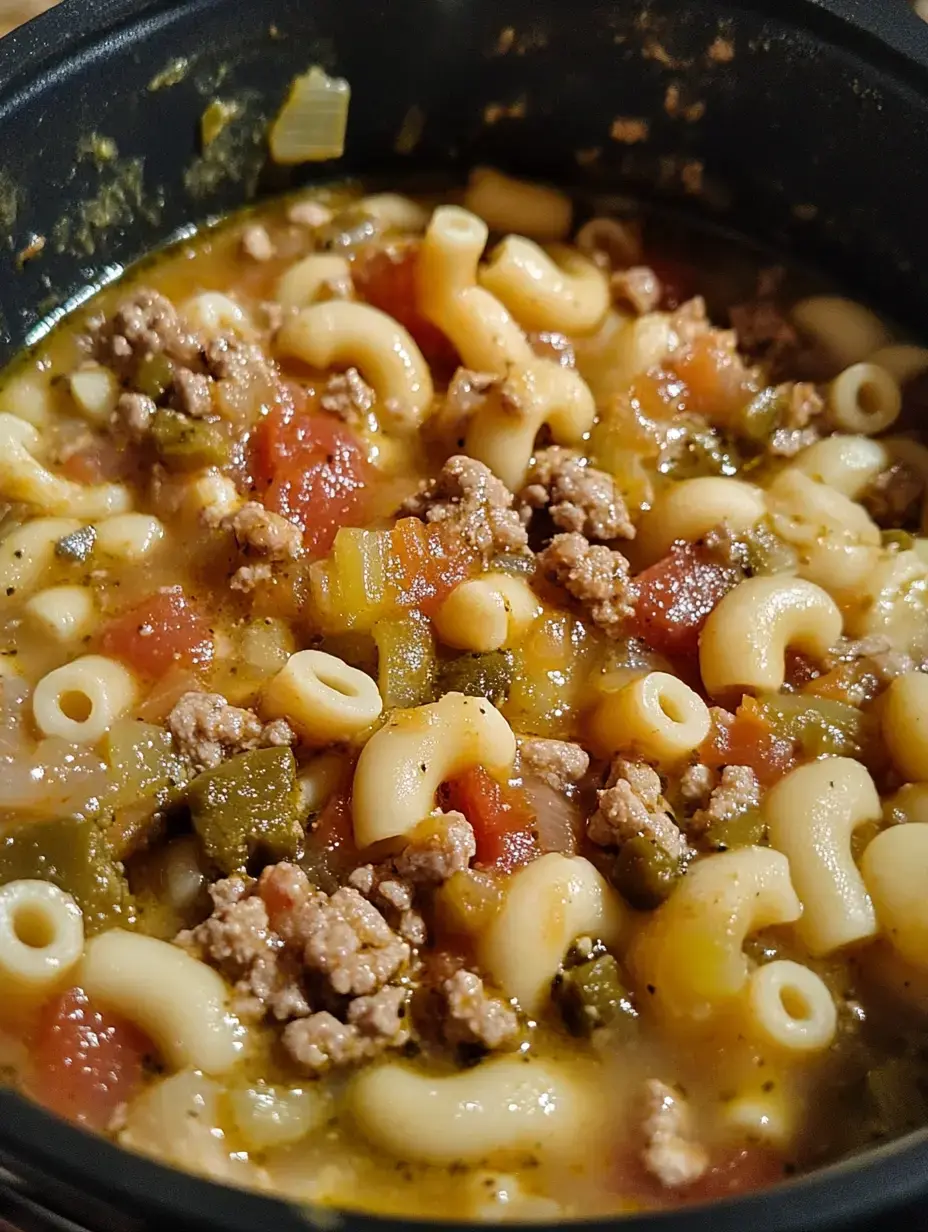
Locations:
(306, 281)
(743, 645)
(555, 290)
(691, 508)
(844, 462)
(847, 331)
(501, 1105)
(811, 815)
(24, 478)
(790, 1006)
(864, 398)
(547, 905)
(323, 698)
(41, 938)
(690, 951)
(64, 613)
(508, 204)
(403, 764)
(176, 1000)
(657, 716)
(895, 868)
(487, 613)
(905, 725)
(27, 552)
(341, 333)
(79, 701)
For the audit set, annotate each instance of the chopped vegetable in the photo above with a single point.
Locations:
(747, 738)
(552, 665)
(644, 873)
(718, 383)
(158, 633)
(820, 726)
(142, 761)
(406, 664)
(155, 374)
(310, 126)
(744, 830)
(676, 596)
(186, 444)
(386, 278)
(75, 856)
(592, 995)
(468, 901)
(478, 675)
(78, 545)
(250, 802)
(86, 1062)
(504, 824)
(218, 114)
(313, 471)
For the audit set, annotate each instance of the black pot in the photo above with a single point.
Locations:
(814, 138)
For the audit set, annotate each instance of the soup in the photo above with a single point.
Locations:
(465, 722)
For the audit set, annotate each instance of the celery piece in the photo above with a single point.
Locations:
(406, 664)
(188, 444)
(142, 761)
(73, 854)
(592, 995)
(249, 803)
(154, 376)
(744, 830)
(644, 873)
(761, 415)
(820, 726)
(478, 675)
(349, 588)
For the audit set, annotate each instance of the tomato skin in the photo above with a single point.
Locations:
(313, 471)
(86, 1061)
(503, 821)
(158, 633)
(747, 739)
(676, 595)
(386, 279)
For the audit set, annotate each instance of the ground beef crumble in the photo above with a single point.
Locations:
(476, 1016)
(637, 287)
(719, 795)
(669, 1152)
(143, 326)
(895, 496)
(468, 497)
(558, 763)
(578, 496)
(632, 806)
(348, 396)
(595, 576)
(801, 410)
(329, 966)
(207, 730)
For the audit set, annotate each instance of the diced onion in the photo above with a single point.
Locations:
(312, 122)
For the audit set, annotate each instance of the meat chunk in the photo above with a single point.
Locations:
(133, 415)
(261, 532)
(763, 330)
(257, 243)
(638, 287)
(669, 1152)
(309, 214)
(143, 326)
(475, 1016)
(895, 496)
(207, 730)
(239, 363)
(548, 344)
(348, 396)
(578, 496)
(559, 763)
(730, 794)
(444, 846)
(802, 407)
(192, 393)
(594, 575)
(323, 1042)
(467, 496)
(632, 806)
(467, 390)
(294, 954)
(393, 896)
(691, 321)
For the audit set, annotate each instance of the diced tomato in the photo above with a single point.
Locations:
(85, 1061)
(99, 462)
(386, 278)
(426, 563)
(503, 821)
(747, 739)
(313, 471)
(158, 633)
(676, 595)
(718, 382)
(800, 669)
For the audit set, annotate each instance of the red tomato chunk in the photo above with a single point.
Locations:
(158, 633)
(387, 280)
(503, 821)
(313, 471)
(747, 739)
(86, 1062)
(676, 595)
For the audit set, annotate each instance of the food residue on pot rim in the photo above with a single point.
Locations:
(172, 74)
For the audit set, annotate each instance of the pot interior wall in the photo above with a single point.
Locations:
(808, 136)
